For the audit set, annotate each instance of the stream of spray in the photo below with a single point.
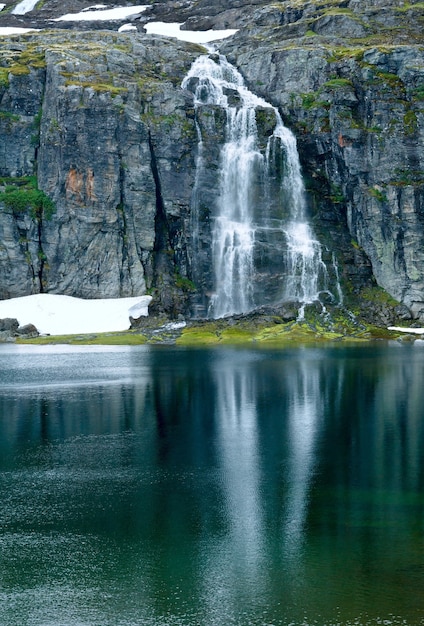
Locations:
(237, 218)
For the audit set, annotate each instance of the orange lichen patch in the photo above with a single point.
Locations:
(80, 186)
(343, 142)
(74, 185)
(89, 185)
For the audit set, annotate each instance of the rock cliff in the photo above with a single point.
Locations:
(349, 78)
(97, 122)
(102, 123)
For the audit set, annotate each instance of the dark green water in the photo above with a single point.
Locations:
(162, 486)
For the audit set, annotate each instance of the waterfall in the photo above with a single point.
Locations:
(263, 249)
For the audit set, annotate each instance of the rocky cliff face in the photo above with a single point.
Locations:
(102, 122)
(353, 92)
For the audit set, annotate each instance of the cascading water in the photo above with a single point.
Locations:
(262, 250)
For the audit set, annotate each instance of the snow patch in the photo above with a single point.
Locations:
(126, 28)
(193, 36)
(11, 30)
(64, 315)
(120, 13)
(24, 7)
(411, 331)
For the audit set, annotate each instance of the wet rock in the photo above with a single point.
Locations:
(9, 325)
(28, 331)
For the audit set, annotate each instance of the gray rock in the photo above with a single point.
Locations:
(28, 331)
(102, 121)
(9, 324)
(108, 129)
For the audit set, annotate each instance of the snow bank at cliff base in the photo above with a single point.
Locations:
(65, 315)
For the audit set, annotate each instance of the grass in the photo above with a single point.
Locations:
(220, 333)
(129, 338)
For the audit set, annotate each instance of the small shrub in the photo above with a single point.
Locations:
(25, 197)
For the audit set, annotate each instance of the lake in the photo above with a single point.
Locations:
(163, 486)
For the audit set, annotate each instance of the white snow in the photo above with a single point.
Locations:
(2, 6)
(10, 30)
(24, 7)
(193, 36)
(126, 27)
(64, 315)
(411, 331)
(120, 13)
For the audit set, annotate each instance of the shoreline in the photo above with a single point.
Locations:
(259, 332)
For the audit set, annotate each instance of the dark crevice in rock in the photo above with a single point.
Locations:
(163, 255)
(161, 223)
(41, 255)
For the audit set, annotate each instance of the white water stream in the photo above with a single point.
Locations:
(237, 218)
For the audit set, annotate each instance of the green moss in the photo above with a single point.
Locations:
(98, 87)
(32, 56)
(336, 194)
(185, 284)
(339, 11)
(315, 329)
(408, 6)
(377, 295)
(391, 79)
(312, 101)
(308, 100)
(103, 339)
(408, 177)
(410, 122)
(12, 117)
(149, 86)
(338, 82)
(378, 194)
(4, 77)
(19, 70)
(418, 93)
(339, 53)
(197, 336)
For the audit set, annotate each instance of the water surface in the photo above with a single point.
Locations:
(161, 486)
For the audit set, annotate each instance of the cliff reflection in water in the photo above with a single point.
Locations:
(212, 486)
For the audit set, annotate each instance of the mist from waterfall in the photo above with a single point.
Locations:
(240, 220)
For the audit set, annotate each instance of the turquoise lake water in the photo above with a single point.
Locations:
(159, 486)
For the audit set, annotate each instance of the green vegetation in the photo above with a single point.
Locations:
(410, 122)
(280, 335)
(4, 76)
(377, 295)
(378, 194)
(185, 284)
(336, 194)
(96, 84)
(311, 100)
(23, 196)
(406, 177)
(407, 6)
(340, 325)
(129, 338)
(11, 117)
(418, 93)
(337, 82)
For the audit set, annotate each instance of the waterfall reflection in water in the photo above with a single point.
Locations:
(164, 486)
